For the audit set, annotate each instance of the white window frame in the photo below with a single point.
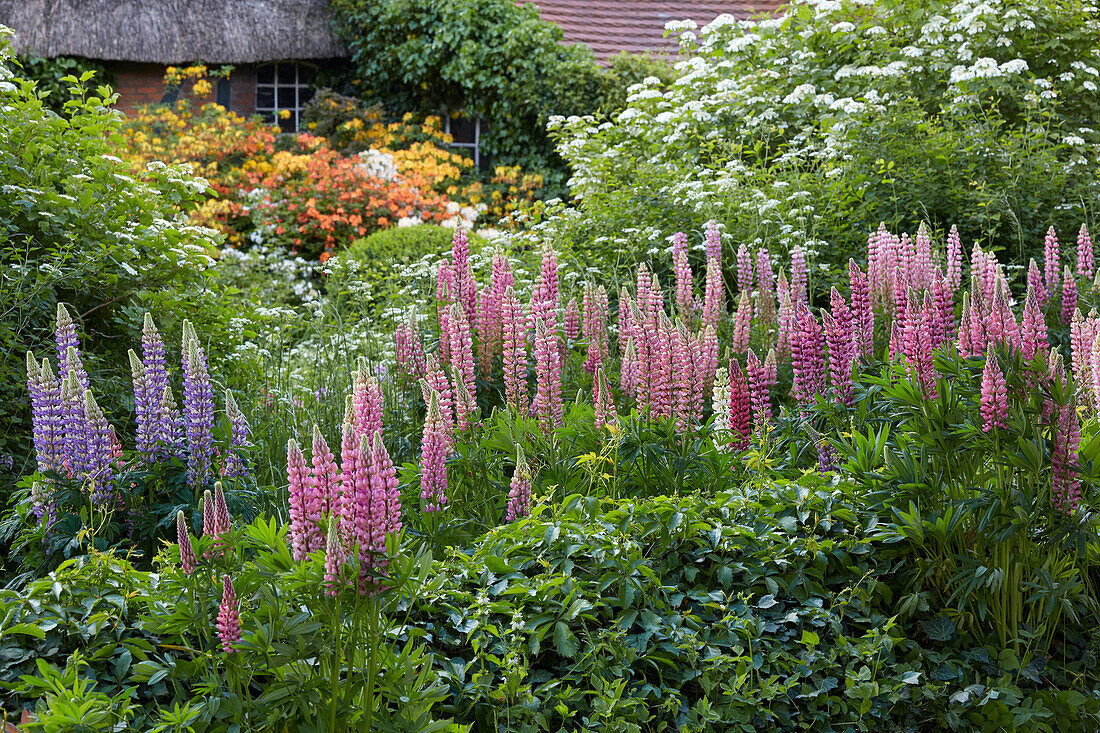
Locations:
(475, 146)
(278, 79)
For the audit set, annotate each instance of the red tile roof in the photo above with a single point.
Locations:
(637, 26)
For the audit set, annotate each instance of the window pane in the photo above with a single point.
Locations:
(286, 98)
(265, 74)
(462, 131)
(267, 117)
(222, 93)
(265, 97)
(306, 74)
(304, 95)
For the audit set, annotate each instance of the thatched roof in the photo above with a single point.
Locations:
(173, 31)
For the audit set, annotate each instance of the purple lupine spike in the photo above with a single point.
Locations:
(67, 345)
(97, 462)
(433, 456)
(465, 284)
(229, 618)
(758, 391)
(863, 324)
(953, 256)
(547, 402)
(514, 320)
(745, 281)
(714, 293)
(188, 563)
(808, 357)
(47, 415)
(298, 478)
(238, 438)
(170, 431)
(367, 400)
(519, 492)
(685, 299)
(1051, 261)
(198, 409)
(840, 339)
(742, 324)
(75, 426)
(146, 409)
(1069, 296)
(799, 275)
(153, 357)
(740, 407)
(994, 396)
(1084, 253)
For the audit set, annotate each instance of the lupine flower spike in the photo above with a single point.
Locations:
(229, 619)
(1084, 253)
(994, 397)
(433, 456)
(188, 563)
(519, 494)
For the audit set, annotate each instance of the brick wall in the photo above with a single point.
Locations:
(140, 84)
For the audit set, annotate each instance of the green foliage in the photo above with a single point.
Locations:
(492, 59)
(49, 76)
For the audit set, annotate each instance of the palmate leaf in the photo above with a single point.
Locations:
(938, 628)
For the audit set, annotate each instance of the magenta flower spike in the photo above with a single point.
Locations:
(963, 344)
(1001, 326)
(921, 276)
(685, 298)
(375, 511)
(514, 320)
(808, 357)
(433, 457)
(742, 324)
(953, 256)
(759, 389)
(367, 400)
(1065, 483)
(863, 317)
(708, 344)
(188, 562)
(1035, 281)
(438, 381)
(765, 278)
(788, 322)
(994, 397)
(1084, 253)
(840, 339)
(714, 293)
(740, 407)
(1069, 296)
(229, 618)
(547, 404)
(661, 367)
(944, 330)
(745, 280)
(1080, 338)
(544, 299)
(799, 275)
(298, 477)
(408, 348)
(519, 492)
(683, 377)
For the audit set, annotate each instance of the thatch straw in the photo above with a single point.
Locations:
(173, 31)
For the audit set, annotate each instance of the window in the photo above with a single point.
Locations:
(282, 90)
(466, 134)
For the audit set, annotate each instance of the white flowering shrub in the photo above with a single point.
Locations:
(813, 126)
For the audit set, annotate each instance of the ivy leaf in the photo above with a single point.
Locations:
(940, 628)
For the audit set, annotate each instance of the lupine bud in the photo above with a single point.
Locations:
(682, 269)
(628, 370)
(433, 456)
(515, 352)
(208, 521)
(994, 397)
(188, 562)
(1069, 296)
(519, 493)
(223, 524)
(1084, 253)
(298, 478)
(745, 282)
(714, 294)
(229, 619)
(68, 349)
(953, 255)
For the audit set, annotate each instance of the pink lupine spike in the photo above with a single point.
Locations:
(1084, 253)
(1033, 327)
(594, 327)
(994, 396)
(742, 324)
(628, 371)
(1035, 281)
(367, 400)
(1065, 483)
(808, 357)
(740, 407)
(223, 523)
(862, 313)
(466, 410)
(464, 283)
(788, 322)
(759, 388)
(1080, 339)
(662, 368)
(765, 278)
(714, 293)
(334, 557)
(545, 300)
(840, 339)
(323, 491)
(437, 380)
(519, 493)
(446, 337)
(514, 318)
(1051, 261)
(625, 318)
(408, 348)
(963, 343)
(944, 331)
(572, 325)
(953, 256)
(604, 401)
(1069, 296)
(925, 365)
(547, 403)
(433, 456)
(1002, 327)
(298, 477)
(208, 514)
(745, 280)
(685, 299)
(229, 618)
(188, 562)
(708, 344)
(462, 358)
(922, 258)
(643, 338)
(683, 376)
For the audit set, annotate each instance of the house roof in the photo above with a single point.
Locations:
(173, 31)
(637, 26)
